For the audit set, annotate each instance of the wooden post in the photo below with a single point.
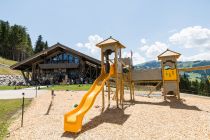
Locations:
(133, 86)
(164, 92)
(117, 90)
(52, 94)
(108, 83)
(103, 99)
(36, 89)
(117, 82)
(102, 70)
(122, 92)
(130, 78)
(177, 74)
(23, 104)
(102, 60)
(120, 86)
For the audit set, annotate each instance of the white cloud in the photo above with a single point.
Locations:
(143, 41)
(153, 50)
(137, 58)
(199, 56)
(144, 48)
(192, 37)
(172, 31)
(91, 45)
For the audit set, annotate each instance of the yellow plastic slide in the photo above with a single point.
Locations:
(73, 119)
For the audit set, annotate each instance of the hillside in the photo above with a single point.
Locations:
(187, 64)
(4, 67)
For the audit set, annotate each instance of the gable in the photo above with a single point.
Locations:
(51, 51)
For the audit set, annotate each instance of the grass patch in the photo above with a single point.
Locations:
(7, 109)
(5, 69)
(84, 87)
(8, 71)
(7, 61)
(12, 87)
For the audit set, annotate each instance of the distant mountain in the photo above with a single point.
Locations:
(186, 64)
(148, 65)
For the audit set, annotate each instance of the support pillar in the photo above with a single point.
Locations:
(103, 102)
(117, 90)
(131, 91)
(108, 83)
(133, 86)
(121, 91)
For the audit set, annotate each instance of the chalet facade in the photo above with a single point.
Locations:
(59, 64)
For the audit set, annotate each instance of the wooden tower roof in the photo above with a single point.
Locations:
(169, 53)
(109, 42)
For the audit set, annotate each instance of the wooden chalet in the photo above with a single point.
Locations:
(58, 64)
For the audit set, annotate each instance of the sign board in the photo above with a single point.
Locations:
(170, 74)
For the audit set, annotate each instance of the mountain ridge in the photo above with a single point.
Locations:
(153, 64)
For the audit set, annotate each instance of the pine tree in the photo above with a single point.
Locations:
(45, 45)
(40, 45)
(206, 87)
(195, 86)
(30, 47)
(4, 38)
(15, 42)
(202, 87)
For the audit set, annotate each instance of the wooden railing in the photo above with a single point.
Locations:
(55, 66)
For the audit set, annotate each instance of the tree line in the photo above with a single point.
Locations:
(201, 87)
(15, 42)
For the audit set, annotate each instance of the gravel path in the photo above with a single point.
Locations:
(15, 94)
(146, 118)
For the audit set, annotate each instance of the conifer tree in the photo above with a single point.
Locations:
(40, 45)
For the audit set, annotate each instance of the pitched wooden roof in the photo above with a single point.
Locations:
(57, 47)
(109, 41)
(169, 53)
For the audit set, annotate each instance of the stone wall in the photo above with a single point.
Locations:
(12, 80)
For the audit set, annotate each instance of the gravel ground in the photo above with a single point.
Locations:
(146, 118)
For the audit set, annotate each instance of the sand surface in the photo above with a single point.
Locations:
(146, 118)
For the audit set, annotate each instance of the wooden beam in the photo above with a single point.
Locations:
(194, 68)
(91, 64)
(146, 81)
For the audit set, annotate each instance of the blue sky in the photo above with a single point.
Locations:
(147, 27)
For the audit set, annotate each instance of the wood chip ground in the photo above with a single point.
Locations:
(146, 118)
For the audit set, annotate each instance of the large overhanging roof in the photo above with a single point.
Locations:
(57, 47)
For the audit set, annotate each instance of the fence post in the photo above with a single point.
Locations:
(52, 93)
(22, 109)
(36, 89)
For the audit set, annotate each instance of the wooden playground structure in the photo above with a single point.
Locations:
(118, 72)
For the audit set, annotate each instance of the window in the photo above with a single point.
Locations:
(64, 58)
(60, 57)
(70, 58)
(76, 60)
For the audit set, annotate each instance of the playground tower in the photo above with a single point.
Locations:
(170, 73)
(108, 47)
